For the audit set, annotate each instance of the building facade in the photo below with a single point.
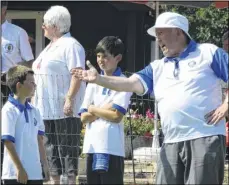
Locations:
(91, 21)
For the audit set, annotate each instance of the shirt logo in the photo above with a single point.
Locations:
(109, 92)
(9, 48)
(192, 64)
(106, 91)
(35, 122)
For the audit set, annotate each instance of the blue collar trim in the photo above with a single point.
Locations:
(17, 104)
(190, 48)
(117, 72)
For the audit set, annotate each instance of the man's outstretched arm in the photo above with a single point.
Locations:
(131, 84)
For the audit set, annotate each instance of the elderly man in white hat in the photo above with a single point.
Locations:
(186, 84)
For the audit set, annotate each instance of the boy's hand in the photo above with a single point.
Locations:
(90, 108)
(46, 172)
(107, 106)
(90, 75)
(22, 176)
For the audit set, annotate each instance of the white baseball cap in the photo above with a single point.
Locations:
(170, 20)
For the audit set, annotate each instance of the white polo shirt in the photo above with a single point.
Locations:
(21, 124)
(15, 46)
(52, 76)
(103, 136)
(184, 99)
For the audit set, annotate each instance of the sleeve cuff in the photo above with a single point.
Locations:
(8, 137)
(82, 111)
(119, 108)
(143, 83)
(41, 132)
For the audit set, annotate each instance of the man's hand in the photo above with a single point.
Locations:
(216, 115)
(90, 75)
(22, 176)
(68, 107)
(46, 172)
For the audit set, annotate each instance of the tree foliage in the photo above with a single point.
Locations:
(206, 24)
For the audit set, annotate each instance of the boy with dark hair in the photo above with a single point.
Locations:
(102, 112)
(22, 132)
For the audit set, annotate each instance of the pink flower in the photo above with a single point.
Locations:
(140, 116)
(135, 116)
(149, 114)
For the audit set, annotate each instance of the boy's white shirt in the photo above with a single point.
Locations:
(102, 136)
(15, 127)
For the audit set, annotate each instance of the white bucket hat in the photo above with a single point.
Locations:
(170, 20)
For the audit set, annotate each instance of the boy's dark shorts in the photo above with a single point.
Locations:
(113, 176)
(62, 141)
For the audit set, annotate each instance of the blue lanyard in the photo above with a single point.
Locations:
(176, 67)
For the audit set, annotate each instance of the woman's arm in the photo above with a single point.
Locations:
(69, 98)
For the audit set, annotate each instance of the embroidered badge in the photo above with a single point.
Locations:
(106, 91)
(109, 92)
(192, 64)
(9, 48)
(35, 122)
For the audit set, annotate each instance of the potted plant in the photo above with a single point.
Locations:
(142, 127)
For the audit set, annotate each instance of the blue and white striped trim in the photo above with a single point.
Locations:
(119, 108)
(8, 137)
(143, 83)
(41, 133)
(82, 111)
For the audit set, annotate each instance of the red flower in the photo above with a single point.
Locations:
(148, 134)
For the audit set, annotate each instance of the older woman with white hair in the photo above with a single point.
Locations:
(59, 95)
